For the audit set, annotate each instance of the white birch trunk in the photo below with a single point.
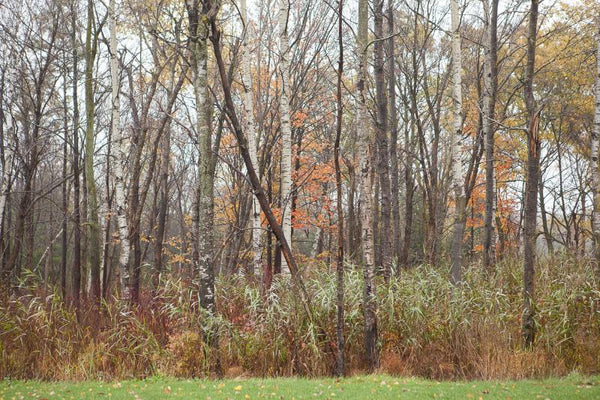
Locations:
(286, 131)
(252, 133)
(119, 175)
(457, 167)
(595, 167)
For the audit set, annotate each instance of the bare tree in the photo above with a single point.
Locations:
(531, 182)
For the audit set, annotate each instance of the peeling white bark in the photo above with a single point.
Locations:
(286, 131)
(121, 155)
(595, 167)
(457, 165)
(253, 139)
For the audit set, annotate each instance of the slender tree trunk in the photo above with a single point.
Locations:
(595, 167)
(65, 195)
(369, 302)
(489, 92)
(252, 132)
(204, 268)
(531, 183)
(547, 234)
(92, 217)
(457, 170)
(394, 172)
(340, 209)
(383, 168)
(162, 208)
(76, 269)
(286, 129)
(122, 271)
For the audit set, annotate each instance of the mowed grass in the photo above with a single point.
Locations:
(364, 387)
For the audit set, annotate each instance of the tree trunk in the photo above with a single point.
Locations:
(383, 168)
(119, 173)
(489, 92)
(595, 167)
(531, 183)
(457, 169)
(204, 271)
(370, 301)
(286, 129)
(76, 269)
(92, 217)
(394, 173)
(252, 132)
(65, 195)
(340, 209)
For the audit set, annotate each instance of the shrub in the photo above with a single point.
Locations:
(427, 327)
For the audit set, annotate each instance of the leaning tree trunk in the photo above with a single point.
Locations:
(253, 177)
(531, 183)
(286, 130)
(252, 140)
(457, 170)
(369, 302)
(595, 167)
(119, 173)
(490, 82)
(92, 218)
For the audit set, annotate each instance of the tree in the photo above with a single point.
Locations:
(531, 182)
(382, 140)
(490, 81)
(94, 242)
(393, 147)
(595, 167)
(370, 304)
(340, 210)
(198, 13)
(119, 174)
(457, 136)
(286, 129)
(252, 138)
(76, 268)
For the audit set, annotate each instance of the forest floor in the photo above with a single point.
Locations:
(360, 387)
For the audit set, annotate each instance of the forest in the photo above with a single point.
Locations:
(299, 188)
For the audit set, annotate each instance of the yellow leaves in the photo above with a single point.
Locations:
(238, 388)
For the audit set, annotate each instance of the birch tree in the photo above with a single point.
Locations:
(252, 134)
(286, 129)
(595, 165)
(457, 172)
(119, 173)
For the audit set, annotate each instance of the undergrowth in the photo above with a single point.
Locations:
(426, 328)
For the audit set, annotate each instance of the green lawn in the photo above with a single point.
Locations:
(364, 387)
